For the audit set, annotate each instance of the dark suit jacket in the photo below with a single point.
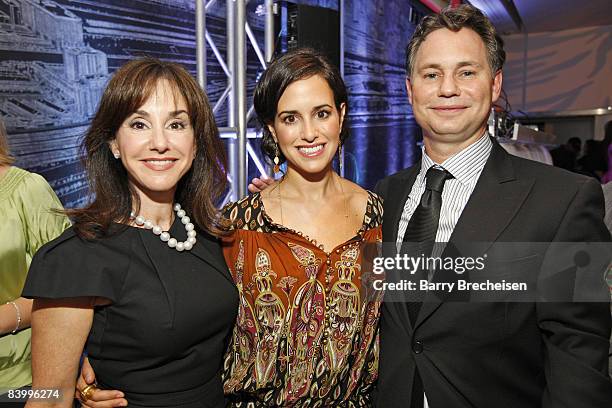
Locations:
(510, 354)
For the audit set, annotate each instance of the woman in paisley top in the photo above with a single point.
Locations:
(306, 334)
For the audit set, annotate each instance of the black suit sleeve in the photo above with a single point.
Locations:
(380, 188)
(576, 335)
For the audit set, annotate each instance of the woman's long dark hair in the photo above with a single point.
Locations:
(197, 191)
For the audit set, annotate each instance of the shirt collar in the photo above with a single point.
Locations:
(465, 165)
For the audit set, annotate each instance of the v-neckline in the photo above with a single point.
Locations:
(314, 242)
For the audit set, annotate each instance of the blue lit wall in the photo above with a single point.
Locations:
(383, 129)
(56, 57)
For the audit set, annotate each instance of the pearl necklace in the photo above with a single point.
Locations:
(165, 236)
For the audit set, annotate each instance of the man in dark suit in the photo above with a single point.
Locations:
(486, 354)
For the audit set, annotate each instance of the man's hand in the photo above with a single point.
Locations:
(260, 184)
(98, 398)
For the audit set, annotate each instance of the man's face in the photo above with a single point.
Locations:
(451, 89)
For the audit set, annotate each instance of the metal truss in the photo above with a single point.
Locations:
(237, 134)
(240, 148)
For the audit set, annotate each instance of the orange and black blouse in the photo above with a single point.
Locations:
(306, 334)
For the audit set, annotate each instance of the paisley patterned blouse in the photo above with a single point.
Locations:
(306, 334)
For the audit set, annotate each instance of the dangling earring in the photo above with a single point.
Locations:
(340, 159)
(117, 155)
(276, 160)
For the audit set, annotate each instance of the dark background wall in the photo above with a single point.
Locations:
(56, 57)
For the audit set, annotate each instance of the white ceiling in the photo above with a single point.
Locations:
(546, 15)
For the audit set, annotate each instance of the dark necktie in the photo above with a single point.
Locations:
(421, 230)
(423, 225)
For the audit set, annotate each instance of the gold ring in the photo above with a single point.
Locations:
(88, 391)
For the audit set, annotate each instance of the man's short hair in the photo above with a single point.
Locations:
(454, 19)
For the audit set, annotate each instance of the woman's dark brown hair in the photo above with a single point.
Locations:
(295, 65)
(197, 191)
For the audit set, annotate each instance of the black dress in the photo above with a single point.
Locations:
(162, 338)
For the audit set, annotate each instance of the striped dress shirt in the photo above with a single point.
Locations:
(465, 167)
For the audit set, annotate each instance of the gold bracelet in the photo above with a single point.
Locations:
(18, 316)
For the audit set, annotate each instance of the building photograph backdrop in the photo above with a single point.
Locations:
(56, 57)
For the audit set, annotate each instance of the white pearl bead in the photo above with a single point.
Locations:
(165, 236)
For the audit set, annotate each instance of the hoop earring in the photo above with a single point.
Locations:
(276, 159)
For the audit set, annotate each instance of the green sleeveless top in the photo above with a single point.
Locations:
(26, 223)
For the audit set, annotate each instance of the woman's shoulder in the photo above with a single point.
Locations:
(65, 244)
(12, 179)
(373, 216)
(376, 202)
(70, 266)
(31, 181)
(71, 247)
(246, 213)
(361, 197)
(30, 188)
(364, 202)
(355, 189)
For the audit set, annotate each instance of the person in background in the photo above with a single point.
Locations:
(565, 156)
(607, 176)
(29, 218)
(594, 162)
(139, 281)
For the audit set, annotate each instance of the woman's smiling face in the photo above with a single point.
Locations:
(156, 143)
(307, 125)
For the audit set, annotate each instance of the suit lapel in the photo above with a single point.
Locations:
(495, 201)
(394, 204)
(395, 199)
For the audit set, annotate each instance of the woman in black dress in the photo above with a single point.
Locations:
(136, 282)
